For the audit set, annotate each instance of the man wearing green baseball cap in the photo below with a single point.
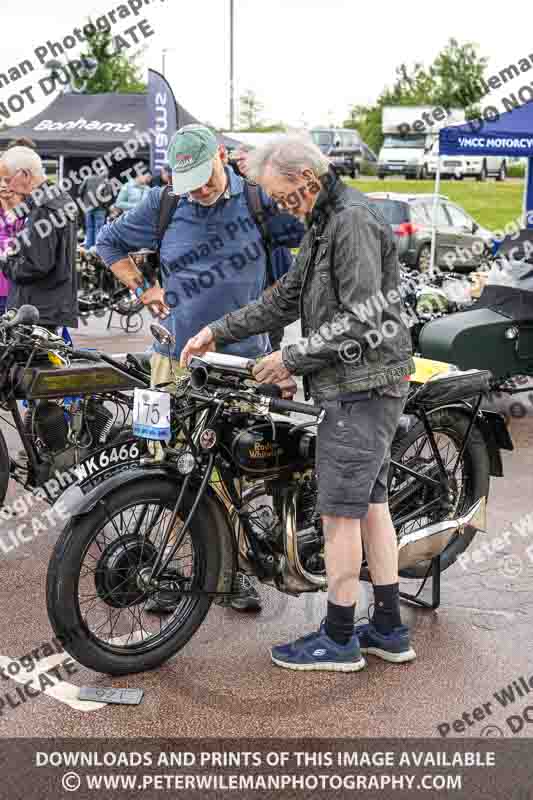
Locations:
(213, 253)
(195, 169)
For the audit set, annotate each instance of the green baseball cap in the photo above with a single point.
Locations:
(190, 156)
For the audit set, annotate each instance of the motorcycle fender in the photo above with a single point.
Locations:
(77, 504)
(497, 437)
(494, 432)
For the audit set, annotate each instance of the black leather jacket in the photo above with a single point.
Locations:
(344, 287)
(43, 270)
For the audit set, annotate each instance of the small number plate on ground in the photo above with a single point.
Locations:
(126, 697)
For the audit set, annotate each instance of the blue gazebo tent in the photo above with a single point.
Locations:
(510, 134)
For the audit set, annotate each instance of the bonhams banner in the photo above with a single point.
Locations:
(162, 118)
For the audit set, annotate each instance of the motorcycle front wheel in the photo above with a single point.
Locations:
(96, 595)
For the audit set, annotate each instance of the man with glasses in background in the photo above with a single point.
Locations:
(41, 263)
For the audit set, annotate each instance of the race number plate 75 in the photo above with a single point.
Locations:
(151, 414)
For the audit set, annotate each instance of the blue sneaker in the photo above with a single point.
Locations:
(394, 646)
(317, 651)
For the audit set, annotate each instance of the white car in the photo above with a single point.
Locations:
(478, 167)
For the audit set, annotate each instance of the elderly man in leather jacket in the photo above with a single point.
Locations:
(355, 358)
(41, 263)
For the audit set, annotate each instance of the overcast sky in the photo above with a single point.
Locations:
(307, 60)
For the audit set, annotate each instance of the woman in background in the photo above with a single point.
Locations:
(10, 225)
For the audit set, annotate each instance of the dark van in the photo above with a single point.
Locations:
(344, 147)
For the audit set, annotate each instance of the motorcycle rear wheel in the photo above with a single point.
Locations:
(106, 544)
(450, 426)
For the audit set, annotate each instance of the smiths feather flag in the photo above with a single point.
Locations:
(162, 119)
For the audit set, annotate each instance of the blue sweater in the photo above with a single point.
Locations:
(131, 195)
(212, 258)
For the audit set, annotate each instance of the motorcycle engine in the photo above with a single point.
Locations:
(65, 429)
(50, 425)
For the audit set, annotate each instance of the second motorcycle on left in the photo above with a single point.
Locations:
(77, 407)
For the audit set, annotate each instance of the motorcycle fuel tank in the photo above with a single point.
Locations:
(80, 378)
(263, 451)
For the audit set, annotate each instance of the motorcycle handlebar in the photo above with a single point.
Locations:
(289, 405)
(88, 355)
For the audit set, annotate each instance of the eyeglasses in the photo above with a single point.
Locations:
(7, 181)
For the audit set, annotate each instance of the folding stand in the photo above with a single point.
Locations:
(434, 572)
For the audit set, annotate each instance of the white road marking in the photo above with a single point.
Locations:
(63, 691)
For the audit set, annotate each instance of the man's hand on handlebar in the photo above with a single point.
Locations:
(271, 369)
(197, 346)
(288, 388)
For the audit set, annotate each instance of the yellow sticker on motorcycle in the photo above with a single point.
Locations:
(426, 369)
(56, 359)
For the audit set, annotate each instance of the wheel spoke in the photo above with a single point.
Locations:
(412, 513)
(111, 597)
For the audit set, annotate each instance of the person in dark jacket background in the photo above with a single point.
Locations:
(96, 194)
(41, 264)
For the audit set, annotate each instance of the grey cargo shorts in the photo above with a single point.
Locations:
(354, 449)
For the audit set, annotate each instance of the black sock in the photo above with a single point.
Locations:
(387, 607)
(339, 622)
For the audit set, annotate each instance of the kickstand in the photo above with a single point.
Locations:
(109, 319)
(434, 572)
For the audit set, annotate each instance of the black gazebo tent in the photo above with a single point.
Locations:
(84, 126)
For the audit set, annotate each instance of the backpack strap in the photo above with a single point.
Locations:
(167, 207)
(257, 210)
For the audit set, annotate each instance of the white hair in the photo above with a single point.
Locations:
(16, 158)
(288, 155)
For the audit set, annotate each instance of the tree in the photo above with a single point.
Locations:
(250, 109)
(456, 73)
(115, 71)
(452, 81)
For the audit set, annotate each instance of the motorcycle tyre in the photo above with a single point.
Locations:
(64, 567)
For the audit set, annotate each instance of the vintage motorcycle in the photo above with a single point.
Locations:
(100, 293)
(426, 301)
(496, 332)
(77, 406)
(237, 490)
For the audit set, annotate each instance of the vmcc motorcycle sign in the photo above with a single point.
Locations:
(162, 119)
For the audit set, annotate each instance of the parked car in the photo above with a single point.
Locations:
(342, 146)
(461, 243)
(479, 167)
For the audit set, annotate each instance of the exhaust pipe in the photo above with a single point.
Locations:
(429, 542)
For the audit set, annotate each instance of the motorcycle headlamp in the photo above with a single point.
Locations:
(186, 463)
